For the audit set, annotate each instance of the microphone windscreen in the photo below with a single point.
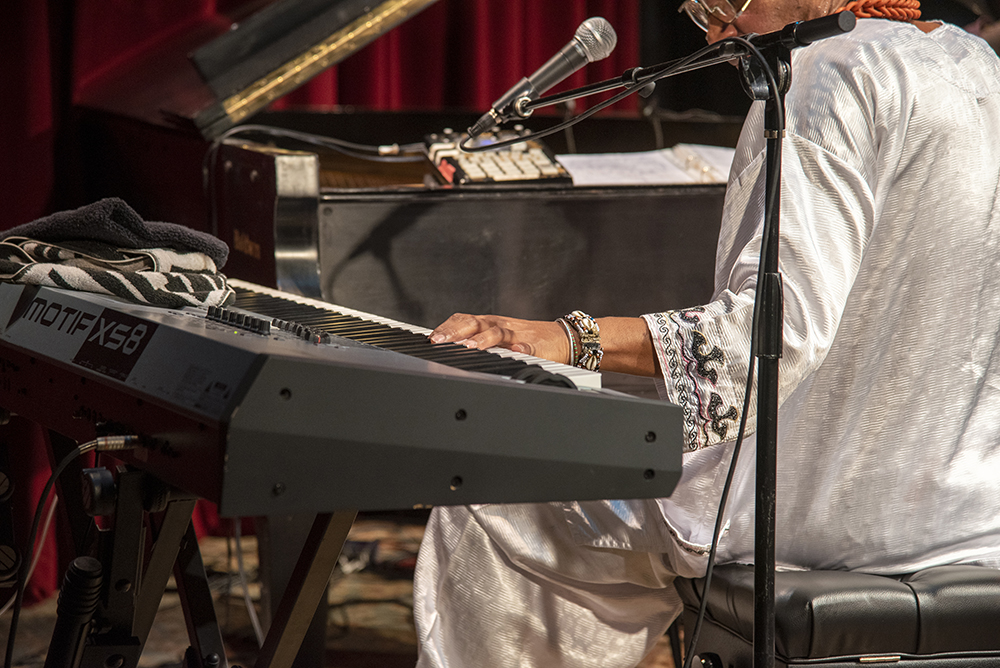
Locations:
(597, 38)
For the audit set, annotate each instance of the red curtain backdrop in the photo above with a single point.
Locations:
(459, 54)
(465, 53)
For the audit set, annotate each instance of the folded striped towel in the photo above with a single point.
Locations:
(99, 248)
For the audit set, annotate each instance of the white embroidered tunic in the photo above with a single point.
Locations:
(889, 427)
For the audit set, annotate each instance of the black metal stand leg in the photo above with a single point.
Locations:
(305, 588)
(199, 611)
(279, 541)
(114, 643)
(168, 532)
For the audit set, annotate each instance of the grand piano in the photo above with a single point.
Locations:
(382, 238)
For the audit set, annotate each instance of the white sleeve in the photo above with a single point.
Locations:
(827, 214)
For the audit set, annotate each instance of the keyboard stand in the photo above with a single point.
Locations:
(307, 585)
(135, 577)
(279, 541)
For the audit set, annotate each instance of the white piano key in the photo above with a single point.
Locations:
(583, 378)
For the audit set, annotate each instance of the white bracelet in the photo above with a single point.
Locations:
(572, 340)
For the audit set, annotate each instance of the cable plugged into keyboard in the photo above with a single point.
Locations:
(528, 162)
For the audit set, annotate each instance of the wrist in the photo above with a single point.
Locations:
(587, 336)
(573, 340)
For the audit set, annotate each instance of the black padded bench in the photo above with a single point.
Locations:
(941, 617)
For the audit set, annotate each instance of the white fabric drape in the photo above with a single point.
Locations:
(889, 428)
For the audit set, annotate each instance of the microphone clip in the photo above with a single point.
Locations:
(753, 75)
(509, 107)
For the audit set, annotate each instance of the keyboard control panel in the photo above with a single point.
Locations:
(527, 162)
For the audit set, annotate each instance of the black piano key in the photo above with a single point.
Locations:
(362, 328)
(359, 326)
(331, 319)
(250, 300)
(450, 354)
(470, 359)
(504, 368)
(367, 332)
(480, 365)
(284, 311)
(429, 350)
(310, 316)
(393, 336)
(381, 335)
(324, 319)
(397, 338)
(292, 311)
(315, 318)
(380, 340)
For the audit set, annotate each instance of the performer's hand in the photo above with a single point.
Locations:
(543, 339)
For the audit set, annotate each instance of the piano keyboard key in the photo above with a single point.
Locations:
(371, 328)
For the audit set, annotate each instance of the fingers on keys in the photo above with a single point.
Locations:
(460, 328)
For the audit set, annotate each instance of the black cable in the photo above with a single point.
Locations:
(464, 145)
(385, 153)
(696, 631)
(617, 97)
(22, 576)
(368, 152)
(758, 290)
(103, 443)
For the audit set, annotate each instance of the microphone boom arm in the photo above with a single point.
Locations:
(640, 77)
(800, 33)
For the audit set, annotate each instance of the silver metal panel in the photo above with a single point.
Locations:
(321, 438)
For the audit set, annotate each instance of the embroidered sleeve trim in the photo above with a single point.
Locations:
(691, 364)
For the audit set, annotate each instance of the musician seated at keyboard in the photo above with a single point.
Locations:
(889, 424)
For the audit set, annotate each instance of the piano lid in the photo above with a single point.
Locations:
(215, 75)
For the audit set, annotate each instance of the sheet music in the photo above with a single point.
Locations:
(719, 158)
(684, 163)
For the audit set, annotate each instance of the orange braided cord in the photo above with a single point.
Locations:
(899, 10)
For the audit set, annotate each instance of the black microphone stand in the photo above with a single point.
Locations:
(769, 81)
(767, 76)
(769, 310)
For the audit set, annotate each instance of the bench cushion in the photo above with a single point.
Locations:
(823, 614)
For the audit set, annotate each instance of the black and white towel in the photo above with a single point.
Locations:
(107, 248)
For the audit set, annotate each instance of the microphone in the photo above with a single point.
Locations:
(78, 601)
(804, 33)
(594, 40)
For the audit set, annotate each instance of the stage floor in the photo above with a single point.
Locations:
(371, 609)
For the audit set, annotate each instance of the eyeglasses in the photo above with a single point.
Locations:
(722, 10)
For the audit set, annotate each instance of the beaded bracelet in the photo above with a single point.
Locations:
(572, 339)
(590, 340)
